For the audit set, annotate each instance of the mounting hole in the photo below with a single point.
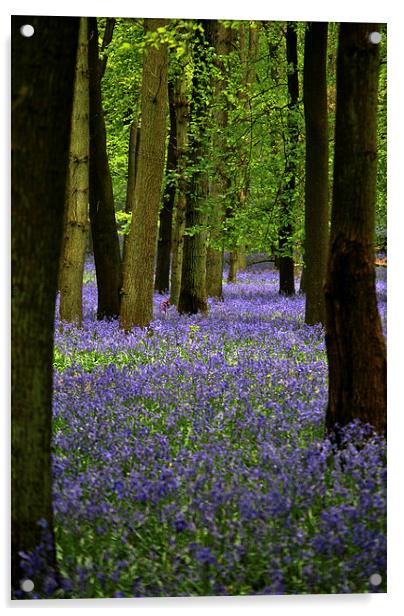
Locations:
(27, 30)
(375, 579)
(375, 37)
(27, 585)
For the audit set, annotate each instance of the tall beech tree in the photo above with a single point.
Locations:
(76, 213)
(162, 277)
(182, 120)
(104, 233)
(286, 264)
(138, 267)
(316, 187)
(42, 81)
(222, 39)
(354, 339)
(193, 296)
(248, 47)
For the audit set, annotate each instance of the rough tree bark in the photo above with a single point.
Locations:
(222, 39)
(354, 339)
(104, 232)
(162, 277)
(286, 265)
(76, 208)
(193, 297)
(42, 81)
(316, 189)
(138, 267)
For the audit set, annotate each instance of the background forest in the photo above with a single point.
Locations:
(257, 117)
(199, 308)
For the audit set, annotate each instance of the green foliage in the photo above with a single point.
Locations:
(123, 220)
(121, 96)
(252, 150)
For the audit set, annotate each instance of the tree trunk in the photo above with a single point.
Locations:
(104, 232)
(355, 344)
(181, 104)
(248, 57)
(233, 266)
(162, 278)
(193, 297)
(242, 258)
(76, 208)
(133, 157)
(42, 81)
(218, 189)
(316, 189)
(286, 265)
(214, 272)
(302, 287)
(138, 268)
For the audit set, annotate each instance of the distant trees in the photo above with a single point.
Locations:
(354, 339)
(316, 184)
(138, 267)
(42, 81)
(182, 120)
(248, 50)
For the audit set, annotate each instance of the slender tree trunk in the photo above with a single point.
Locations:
(162, 278)
(193, 297)
(42, 81)
(214, 272)
(181, 104)
(77, 223)
(104, 232)
(133, 157)
(316, 190)
(354, 339)
(233, 266)
(302, 287)
(138, 268)
(286, 265)
(248, 57)
(242, 258)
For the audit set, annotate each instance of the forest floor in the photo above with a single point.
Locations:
(190, 458)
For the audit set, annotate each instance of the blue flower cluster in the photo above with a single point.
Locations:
(190, 458)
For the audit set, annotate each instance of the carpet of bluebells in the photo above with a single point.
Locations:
(190, 457)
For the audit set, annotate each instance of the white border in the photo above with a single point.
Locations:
(344, 10)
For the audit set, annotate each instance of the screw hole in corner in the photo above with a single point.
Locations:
(375, 38)
(27, 30)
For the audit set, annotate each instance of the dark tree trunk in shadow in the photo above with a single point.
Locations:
(354, 339)
(286, 264)
(133, 157)
(162, 278)
(316, 189)
(42, 81)
(104, 232)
